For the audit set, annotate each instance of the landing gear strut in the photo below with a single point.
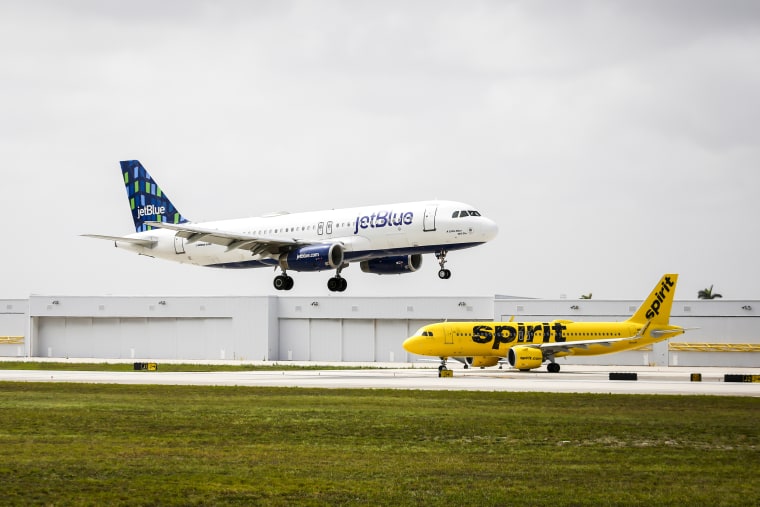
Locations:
(443, 273)
(442, 366)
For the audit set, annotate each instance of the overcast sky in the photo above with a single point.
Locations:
(611, 141)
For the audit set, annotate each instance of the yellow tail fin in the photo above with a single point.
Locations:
(656, 308)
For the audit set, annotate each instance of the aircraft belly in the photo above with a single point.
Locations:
(206, 254)
(466, 347)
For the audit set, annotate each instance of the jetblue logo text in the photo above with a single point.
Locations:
(659, 297)
(307, 255)
(519, 332)
(383, 219)
(150, 210)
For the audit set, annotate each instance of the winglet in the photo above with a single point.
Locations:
(147, 201)
(656, 308)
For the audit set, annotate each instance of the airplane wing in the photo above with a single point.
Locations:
(122, 239)
(553, 348)
(232, 240)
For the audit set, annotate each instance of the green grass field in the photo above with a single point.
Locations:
(82, 444)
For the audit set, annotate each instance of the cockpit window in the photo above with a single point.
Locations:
(465, 213)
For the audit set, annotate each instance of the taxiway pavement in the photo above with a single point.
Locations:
(573, 379)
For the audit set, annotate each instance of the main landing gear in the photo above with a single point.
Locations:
(337, 284)
(552, 367)
(285, 282)
(443, 273)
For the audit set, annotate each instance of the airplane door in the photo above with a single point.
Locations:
(428, 223)
(448, 336)
(179, 245)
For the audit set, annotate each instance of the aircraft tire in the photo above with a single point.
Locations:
(334, 284)
(283, 282)
(552, 368)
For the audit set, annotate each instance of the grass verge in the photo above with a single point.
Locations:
(167, 367)
(83, 444)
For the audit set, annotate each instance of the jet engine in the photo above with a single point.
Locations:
(393, 265)
(525, 358)
(481, 361)
(313, 258)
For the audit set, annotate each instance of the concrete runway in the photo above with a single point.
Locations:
(573, 379)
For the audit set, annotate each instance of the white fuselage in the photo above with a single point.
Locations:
(364, 232)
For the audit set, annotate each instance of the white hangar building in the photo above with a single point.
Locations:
(339, 329)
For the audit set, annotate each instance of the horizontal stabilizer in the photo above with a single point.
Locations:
(121, 239)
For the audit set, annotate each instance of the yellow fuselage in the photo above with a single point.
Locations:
(451, 339)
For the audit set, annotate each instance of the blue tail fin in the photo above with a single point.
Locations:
(146, 200)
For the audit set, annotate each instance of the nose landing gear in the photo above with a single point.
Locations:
(443, 273)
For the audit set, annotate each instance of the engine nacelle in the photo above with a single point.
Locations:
(313, 258)
(525, 358)
(482, 361)
(394, 265)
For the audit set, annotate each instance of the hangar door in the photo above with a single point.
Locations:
(359, 340)
(128, 338)
(326, 340)
(389, 335)
(294, 340)
(326, 337)
(12, 334)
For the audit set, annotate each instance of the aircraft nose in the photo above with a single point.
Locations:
(412, 344)
(490, 229)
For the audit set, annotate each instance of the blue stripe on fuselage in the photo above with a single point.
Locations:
(353, 256)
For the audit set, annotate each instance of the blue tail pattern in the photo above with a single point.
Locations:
(146, 199)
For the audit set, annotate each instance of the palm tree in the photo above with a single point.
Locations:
(708, 294)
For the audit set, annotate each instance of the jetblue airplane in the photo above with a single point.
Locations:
(383, 239)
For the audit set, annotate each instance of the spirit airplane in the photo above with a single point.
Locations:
(383, 239)
(527, 345)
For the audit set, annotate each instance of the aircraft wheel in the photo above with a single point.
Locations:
(343, 285)
(289, 282)
(552, 368)
(335, 283)
(280, 282)
(444, 274)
